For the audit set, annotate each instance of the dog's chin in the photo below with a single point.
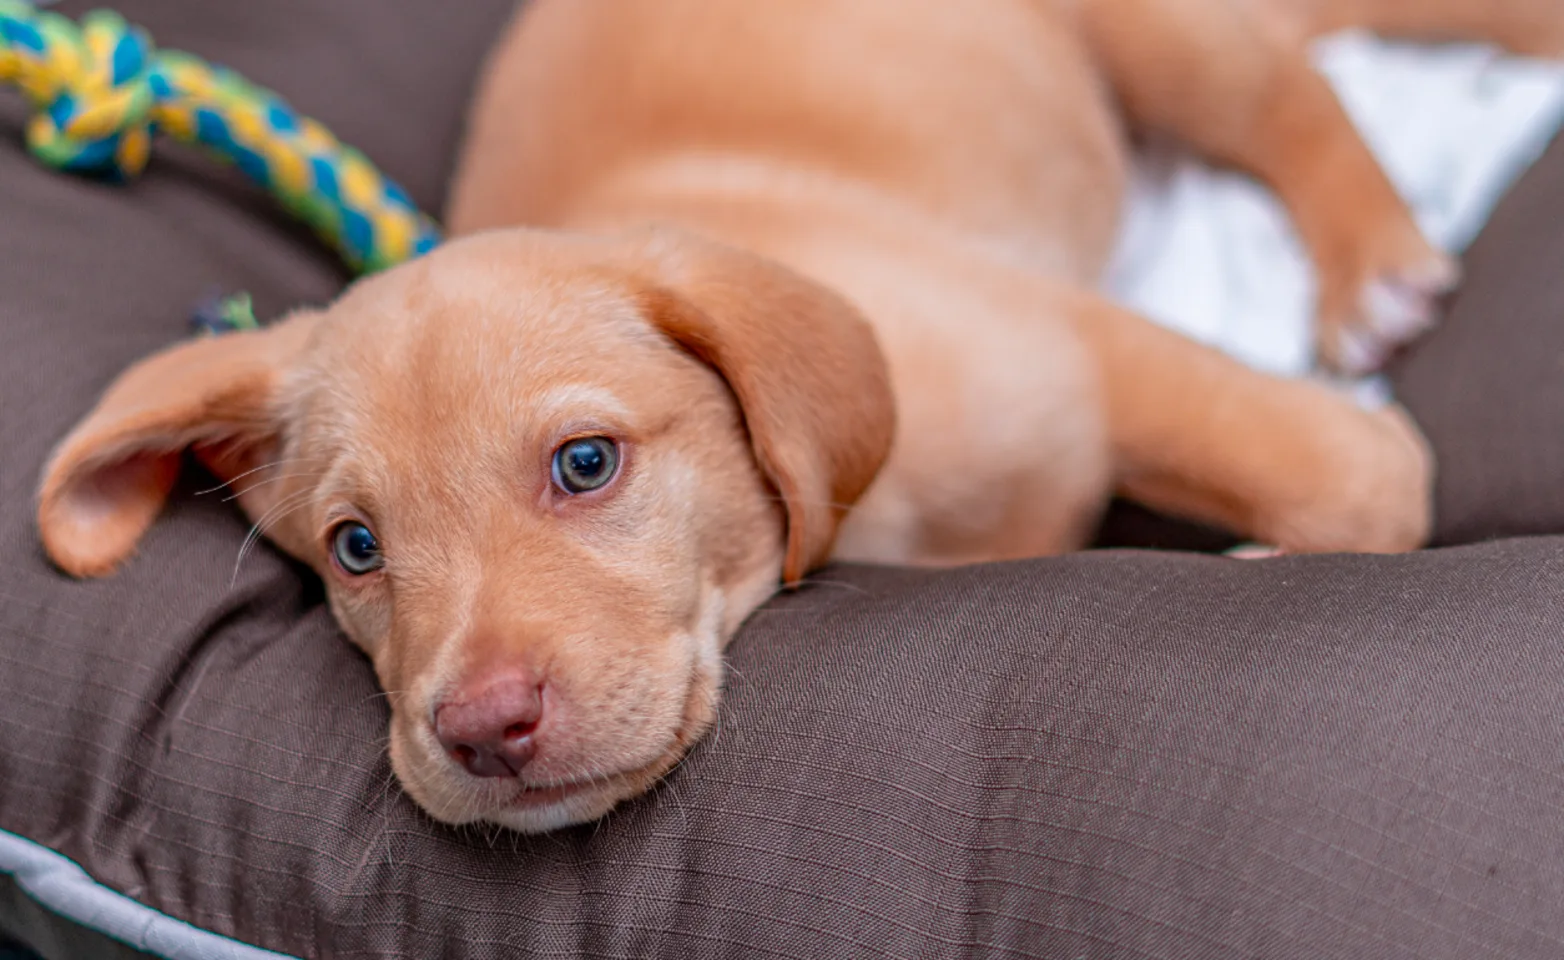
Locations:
(538, 809)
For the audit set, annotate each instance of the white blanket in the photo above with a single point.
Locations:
(1212, 254)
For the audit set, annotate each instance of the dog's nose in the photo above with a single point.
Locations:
(488, 727)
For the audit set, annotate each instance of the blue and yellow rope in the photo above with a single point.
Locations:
(102, 93)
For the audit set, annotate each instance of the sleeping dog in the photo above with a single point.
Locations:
(724, 270)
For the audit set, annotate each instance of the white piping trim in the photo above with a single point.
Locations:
(64, 887)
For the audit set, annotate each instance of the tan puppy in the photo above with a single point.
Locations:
(545, 473)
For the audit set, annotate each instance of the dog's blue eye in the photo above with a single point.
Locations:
(356, 549)
(585, 464)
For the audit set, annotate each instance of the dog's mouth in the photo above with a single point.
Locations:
(531, 798)
(610, 787)
(583, 787)
(536, 809)
(547, 806)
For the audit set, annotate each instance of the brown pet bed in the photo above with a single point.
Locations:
(1125, 754)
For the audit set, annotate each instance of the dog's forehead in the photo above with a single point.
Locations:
(469, 343)
(484, 307)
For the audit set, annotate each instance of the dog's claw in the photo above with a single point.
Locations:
(1389, 311)
(1255, 551)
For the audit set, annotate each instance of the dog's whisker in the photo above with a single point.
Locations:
(391, 696)
(277, 513)
(265, 466)
(288, 503)
(261, 483)
(271, 517)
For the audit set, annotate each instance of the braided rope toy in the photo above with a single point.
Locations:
(101, 92)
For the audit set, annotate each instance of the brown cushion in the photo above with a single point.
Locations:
(1488, 385)
(1114, 754)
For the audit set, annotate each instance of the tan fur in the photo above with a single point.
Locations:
(881, 220)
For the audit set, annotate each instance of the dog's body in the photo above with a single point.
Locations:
(564, 466)
(956, 171)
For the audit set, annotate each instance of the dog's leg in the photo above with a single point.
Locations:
(1234, 80)
(1533, 27)
(1284, 462)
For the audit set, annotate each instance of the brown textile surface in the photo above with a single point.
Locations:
(1488, 386)
(1108, 755)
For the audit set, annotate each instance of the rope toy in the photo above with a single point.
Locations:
(102, 92)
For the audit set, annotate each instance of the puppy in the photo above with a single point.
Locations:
(724, 269)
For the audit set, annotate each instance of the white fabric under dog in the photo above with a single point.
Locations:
(1212, 254)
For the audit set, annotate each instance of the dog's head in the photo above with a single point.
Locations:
(543, 477)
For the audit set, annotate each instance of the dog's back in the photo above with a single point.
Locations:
(955, 170)
(987, 119)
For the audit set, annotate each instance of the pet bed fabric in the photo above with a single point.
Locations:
(1115, 754)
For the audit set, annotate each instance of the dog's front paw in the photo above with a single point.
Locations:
(1374, 492)
(1370, 312)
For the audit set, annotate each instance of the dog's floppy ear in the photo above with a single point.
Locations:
(804, 366)
(107, 480)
